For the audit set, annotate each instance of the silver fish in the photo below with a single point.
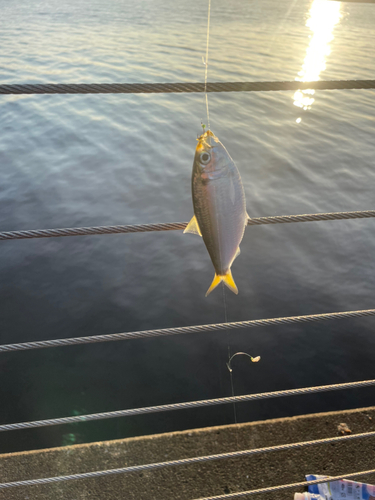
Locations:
(219, 207)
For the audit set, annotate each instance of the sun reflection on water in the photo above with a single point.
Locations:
(324, 15)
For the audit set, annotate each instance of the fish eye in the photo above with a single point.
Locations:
(205, 158)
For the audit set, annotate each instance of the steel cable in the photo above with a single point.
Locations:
(303, 484)
(111, 337)
(175, 226)
(181, 87)
(185, 405)
(186, 461)
(86, 231)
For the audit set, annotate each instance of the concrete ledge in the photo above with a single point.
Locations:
(199, 480)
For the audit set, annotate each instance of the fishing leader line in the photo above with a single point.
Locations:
(229, 355)
(253, 359)
(205, 62)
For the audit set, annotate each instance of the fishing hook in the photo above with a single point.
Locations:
(254, 360)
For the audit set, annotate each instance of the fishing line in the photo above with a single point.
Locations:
(236, 432)
(229, 355)
(206, 63)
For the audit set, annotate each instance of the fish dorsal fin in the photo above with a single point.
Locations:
(193, 227)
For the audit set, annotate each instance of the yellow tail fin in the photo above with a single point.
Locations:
(228, 280)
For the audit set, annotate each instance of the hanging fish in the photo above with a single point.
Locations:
(219, 206)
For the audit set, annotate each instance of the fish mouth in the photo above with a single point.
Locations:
(205, 141)
(206, 135)
(210, 134)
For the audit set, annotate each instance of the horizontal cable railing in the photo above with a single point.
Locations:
(187, 461)
(183, 87)
(253, 323)
(176, 226)
(185, 405)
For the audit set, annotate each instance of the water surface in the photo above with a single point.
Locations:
(125, 159)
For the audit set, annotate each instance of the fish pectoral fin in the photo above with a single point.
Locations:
(193, 227)
(228, 281)
(237, 253)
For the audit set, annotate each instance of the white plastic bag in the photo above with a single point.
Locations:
(340, 490)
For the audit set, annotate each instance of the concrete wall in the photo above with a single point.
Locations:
(197, 481)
